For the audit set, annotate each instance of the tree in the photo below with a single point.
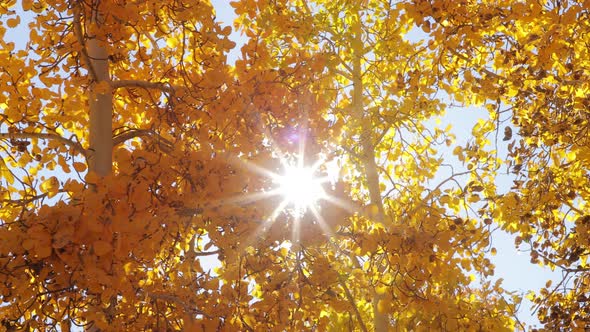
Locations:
(381, 95)
(527, 61)
(163, 151)
(120, 244)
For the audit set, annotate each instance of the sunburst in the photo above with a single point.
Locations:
(302, 188)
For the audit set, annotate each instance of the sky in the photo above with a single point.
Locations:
(511, 265)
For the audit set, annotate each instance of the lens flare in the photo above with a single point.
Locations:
(301, 189)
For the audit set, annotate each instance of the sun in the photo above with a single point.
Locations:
(300, 188)
(303, 189)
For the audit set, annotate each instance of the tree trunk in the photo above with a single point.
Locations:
(380, 320)
(101, 114)
(101, 109)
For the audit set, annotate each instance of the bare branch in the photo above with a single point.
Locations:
(164, 87)
(206, 253)
(24, 201)
(164, 144)
(175, 299)
(353, 304)
(74, 145)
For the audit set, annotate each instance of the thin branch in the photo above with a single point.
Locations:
(164, 144)
(175, 299)
(25, 201)
(514, 314)
(80, 36)
(538, 305)
(206, 253)
(188, 212)
(561, 266)
(342, 73)
(353, 304)
(164, 87)
(74, 145)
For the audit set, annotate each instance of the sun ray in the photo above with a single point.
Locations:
(255, 168)
(265, 225)
(340, 203)
(298, 181)
(296, 230)
(301, 188)
(322, 223)
(243, 198)
(277, 211)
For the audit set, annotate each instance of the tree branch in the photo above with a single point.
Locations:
(74, 145)
(485, 70)
(175, 299)
(80, 37)
(164, 144)
(206, 253)
(164, 87)
(353, 304)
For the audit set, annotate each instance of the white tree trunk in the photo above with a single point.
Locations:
(380, 320)
(101, 113)
(101, 109)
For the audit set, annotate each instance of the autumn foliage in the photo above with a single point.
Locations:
(135, 158)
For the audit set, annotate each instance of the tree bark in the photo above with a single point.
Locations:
(100, 98)
(380, 320)
(101, 110)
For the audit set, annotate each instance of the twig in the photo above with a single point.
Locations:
(164, 144)
(354, 307)
(172, 298)
(206, 253)
(536, 307)
(165, 87)
(74, 145)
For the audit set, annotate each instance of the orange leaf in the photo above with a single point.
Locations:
(43, 251)
(13, 22)
(79, 167)
(102, 248)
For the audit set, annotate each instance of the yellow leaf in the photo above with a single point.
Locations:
(5, 172)
(226, 31)
(63, 236)
(127, 267)
(372, 210)
(530, 296)
(50, 186)
(171, 42)
(571, 156)
(473, 198)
